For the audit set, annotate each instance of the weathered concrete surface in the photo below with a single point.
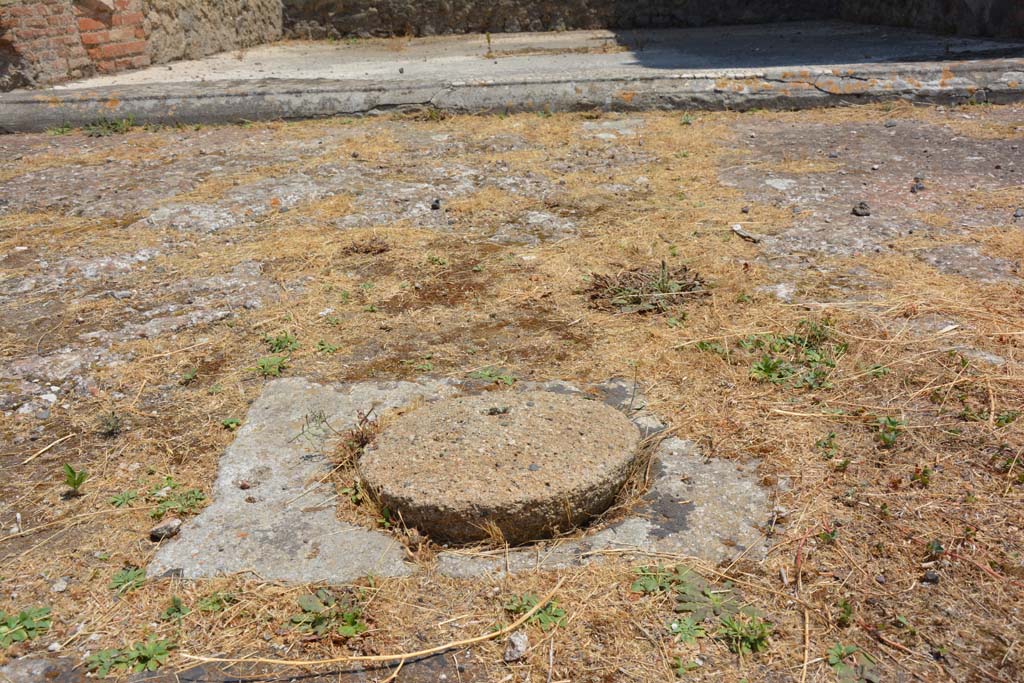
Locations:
(791, 65)
(697, 507)
(272, 515)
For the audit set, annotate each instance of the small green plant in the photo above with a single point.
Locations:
(322, 613)
(845, 618)
(148, 655)
(436, 261)
(176, 611)
(658, 579)
(354, 493)
(271, 366)
(771, 369)
(680, 667)
(686, 630)
(185, 502)
(922, 477)
(128, 579)
(283, 342)
(889, 430)
(745, 635)
(216, 602)
(231, 423)
(548, 617)
(493, 375)
(106, 127)
(1006, 418)
(123, 499)
(23, 626)
(828, 535)
(827, 446)
(935, 549)
(74, 479)
(385, 521)
(111, 425)
(326, 347)
(62, 129)
(687, 120)
(712, 347)
(188, 376)
(851, 665)
(370, 308)
(878, 371)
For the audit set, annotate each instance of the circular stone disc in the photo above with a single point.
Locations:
(531, 464)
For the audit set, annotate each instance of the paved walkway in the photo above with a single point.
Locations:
(790, 65)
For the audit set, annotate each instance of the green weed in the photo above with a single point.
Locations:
(23, 626)
(123, 499)
(548, 617)
(74, 479)
(128, 579)
(271, 366)
(322, 614)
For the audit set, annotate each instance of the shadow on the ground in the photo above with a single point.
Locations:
(803, 44)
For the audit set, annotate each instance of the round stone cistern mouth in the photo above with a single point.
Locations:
(518, 466)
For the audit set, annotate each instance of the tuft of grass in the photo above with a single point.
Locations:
(644, 290)
(271, 366)
(127, 580)
(283, 342)
(123, 499)
(744, 635)
(106, 127)
(111, 425)
(494, 375)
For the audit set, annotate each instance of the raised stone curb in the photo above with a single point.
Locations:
(989, 80)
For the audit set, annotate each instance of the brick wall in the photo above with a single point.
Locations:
(113, 34)
(43, 43)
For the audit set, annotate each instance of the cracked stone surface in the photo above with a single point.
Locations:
(270, 514)
(273, 516)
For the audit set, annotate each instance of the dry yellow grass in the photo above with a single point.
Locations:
(530, 317)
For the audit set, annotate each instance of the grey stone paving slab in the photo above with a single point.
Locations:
(711, 509)
(272, 516)
(282, 524)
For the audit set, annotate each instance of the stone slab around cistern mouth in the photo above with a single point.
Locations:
(273, 513)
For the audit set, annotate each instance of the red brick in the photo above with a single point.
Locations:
(106, 67)
(29, 33)
(128, 19)
(122, 49)
(95, 38)
(89, 24)
(23, 11)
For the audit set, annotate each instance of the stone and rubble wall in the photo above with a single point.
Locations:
(336, 18)
(955, 17)
(188, 29)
